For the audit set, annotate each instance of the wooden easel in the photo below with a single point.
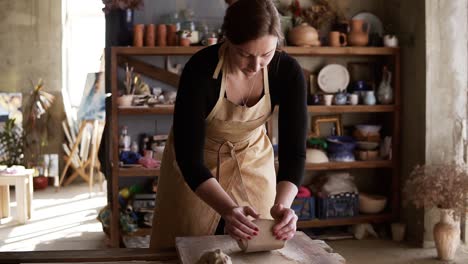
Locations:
(82, 163)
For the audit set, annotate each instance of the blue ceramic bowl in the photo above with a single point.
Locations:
(341, 148)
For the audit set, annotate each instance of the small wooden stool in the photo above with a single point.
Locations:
(24, 194)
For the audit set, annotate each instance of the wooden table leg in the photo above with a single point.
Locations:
(30, 191)
(5, 202)
(21, 203)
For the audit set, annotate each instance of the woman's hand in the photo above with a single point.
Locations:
(287, 220)
(238, 224)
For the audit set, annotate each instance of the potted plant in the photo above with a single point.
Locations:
(36, 131)
(11, 144)
(444, 186)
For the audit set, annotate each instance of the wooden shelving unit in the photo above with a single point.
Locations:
(154, 110)
(375, 219)
(138, 172)
(169, 109)
(295, 51)
(121, 55)
(143, 231)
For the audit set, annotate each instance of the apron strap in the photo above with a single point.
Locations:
(232, 178)
(266, 84)
(219, 66)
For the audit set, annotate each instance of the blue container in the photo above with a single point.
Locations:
(338, 206)
(304, 208)
(341, 148)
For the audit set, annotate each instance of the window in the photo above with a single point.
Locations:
(83, 48)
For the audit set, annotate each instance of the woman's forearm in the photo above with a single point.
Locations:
(213, 194)
(285, 193)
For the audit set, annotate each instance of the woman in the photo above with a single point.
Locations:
(218, 169)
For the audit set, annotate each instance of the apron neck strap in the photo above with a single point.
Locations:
(219, 66)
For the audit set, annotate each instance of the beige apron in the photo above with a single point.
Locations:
(237, 152)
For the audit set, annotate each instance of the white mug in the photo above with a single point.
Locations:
(327, 99)
(353, 99)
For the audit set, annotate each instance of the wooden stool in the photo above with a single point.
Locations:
(24, 194)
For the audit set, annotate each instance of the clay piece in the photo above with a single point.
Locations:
(214, 257)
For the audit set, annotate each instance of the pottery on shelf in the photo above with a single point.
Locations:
(341, 148)
(125, 100)
(340, 98)
(369, 98)
(371, 204)
(316, 156)
(385, 91)
(303, 36)
(446, 235)
(359, 34)
(390, 41)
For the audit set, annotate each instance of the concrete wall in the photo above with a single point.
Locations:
(30, 45)
(446, 87)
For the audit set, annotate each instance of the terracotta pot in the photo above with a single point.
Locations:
(359, 34)
(138, 32)
(171, 35)
(303, 36)
(446, 235)
(40, 182)
(150, 35)
(184, 42)
(161, 35)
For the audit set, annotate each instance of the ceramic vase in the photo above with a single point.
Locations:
(359, 34)
(369, 98)
(385, 91)
(446, 235)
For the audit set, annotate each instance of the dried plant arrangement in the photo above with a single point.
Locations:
(121, 4)
(319, 14)
(438, 185)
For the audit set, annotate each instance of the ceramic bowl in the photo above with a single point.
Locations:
(368, 129)
(371, 204)
(316, 156)
(125, 100)
(340, 143)
(341, 148)
(367, 145)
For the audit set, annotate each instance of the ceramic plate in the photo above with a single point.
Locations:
(374, 22)
(333, 78)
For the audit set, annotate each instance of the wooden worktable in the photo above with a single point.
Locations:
(316, 251)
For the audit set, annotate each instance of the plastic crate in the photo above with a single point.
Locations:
(304, 208)
(338, 206)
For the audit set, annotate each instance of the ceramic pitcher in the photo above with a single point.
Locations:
(369, 98)
(359, 34)
(385, 92)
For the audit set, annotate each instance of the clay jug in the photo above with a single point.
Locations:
(359, 34)
(446, 235)
(303, 36)
(385, 91)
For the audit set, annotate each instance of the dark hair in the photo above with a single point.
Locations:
(247, 20)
